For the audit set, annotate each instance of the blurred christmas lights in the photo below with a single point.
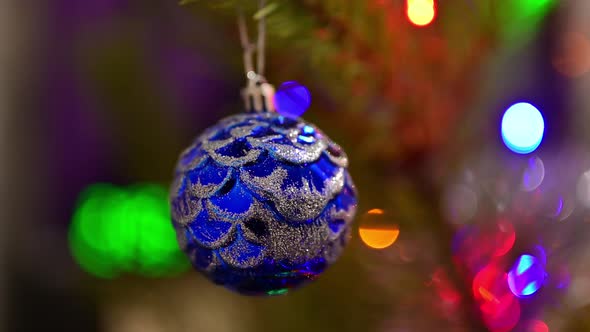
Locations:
(522, 128)
(498, 306)
(459, 204)
(478, 245)
(505, 318)
(520, 18)
(540, 254)
(537, 326)
(504, 236)
(377, 230)
(421, 12)
(526, 276)
(564, 208)
(572, 58)
(578, 294)
(524, 197)
(117, 230)
(533, 174)
(583, 189)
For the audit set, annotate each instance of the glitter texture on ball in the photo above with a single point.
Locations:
(262, 203)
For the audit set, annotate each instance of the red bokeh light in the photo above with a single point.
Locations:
(537, 326)
(503, 320)
(499, 308)
(504, 238)
(478, 245)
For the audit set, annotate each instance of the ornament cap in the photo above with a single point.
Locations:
(258, 95)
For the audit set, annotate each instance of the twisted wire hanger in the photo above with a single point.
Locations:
(249, 48)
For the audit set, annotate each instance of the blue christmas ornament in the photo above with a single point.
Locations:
(262, 203)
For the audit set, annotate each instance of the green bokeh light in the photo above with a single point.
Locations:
(519, 19)
(117, 230)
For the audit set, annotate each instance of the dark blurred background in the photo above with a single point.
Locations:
(98, 98)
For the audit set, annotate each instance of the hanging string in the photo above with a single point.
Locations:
(258, 94)
(261, 40)
(249, 48)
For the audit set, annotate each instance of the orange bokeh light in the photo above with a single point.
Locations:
(378, 238)
(421, 12)
(375, 211)
(377, 231)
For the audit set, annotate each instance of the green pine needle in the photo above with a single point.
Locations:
(267, 10)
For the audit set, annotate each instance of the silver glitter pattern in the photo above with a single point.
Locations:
(258, 186)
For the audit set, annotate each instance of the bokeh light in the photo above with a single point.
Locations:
(292, 99)
(561, 277)
(578, 294)
(377, 230)
(421, 12)
(533, 174)
(489, 286)
(540, 254)
(476, 246)
(499, 308)
(444, 287)
(572, 58)
(505, 236)
(117, 230)
(583, 189)
(526, 276)
(505, 318)
(521, 18)
(459, 204)
(537, 326)
(564, 206)
(522, 128)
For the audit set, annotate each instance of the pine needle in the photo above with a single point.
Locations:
(267, 10)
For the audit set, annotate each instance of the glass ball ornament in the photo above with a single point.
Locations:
(292, 99)
(262, 203)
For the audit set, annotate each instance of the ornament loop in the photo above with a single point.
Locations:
(258, 95)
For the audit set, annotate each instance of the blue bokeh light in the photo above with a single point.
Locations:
(526, 276)
(526, 261)
(522, 128)
(292, 99)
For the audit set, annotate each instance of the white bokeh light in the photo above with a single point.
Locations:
(522, 128)
(533, 174)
